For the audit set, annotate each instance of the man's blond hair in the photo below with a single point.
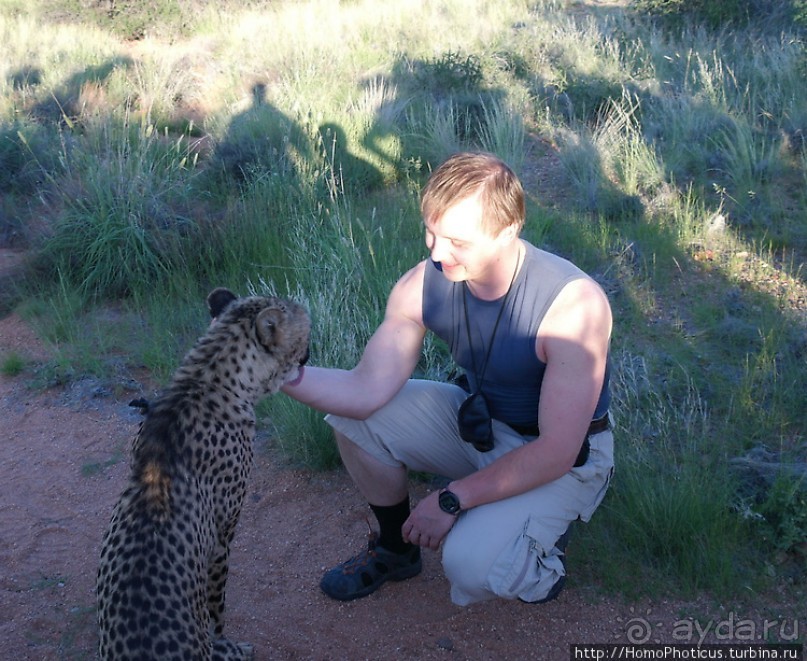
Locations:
(470, 173)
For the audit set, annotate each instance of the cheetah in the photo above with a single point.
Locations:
(164, 557)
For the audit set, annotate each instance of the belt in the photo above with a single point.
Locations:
(597, 426)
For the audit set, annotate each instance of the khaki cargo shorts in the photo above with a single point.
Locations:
(503, 549)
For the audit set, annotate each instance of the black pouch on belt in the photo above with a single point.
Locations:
(473, 420)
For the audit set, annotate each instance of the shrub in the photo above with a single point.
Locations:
(130, 19)
(122, 222)
(784, 515)
(449, 73)
(26, 157)
(452, 84)
(727, 12)
(12, 364)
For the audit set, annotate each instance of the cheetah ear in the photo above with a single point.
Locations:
(266, 324)
(219, 299)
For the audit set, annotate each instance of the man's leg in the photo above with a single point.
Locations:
(388, 557)
(515, 548)
(386, 489)
(416, 430)
(380, 483)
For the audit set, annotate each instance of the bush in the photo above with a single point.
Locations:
(453, 84)
(728, 12)
(450, 73)
(123, 220)
(784, 515)
(12, 364)
(130, 19)
(27, 157)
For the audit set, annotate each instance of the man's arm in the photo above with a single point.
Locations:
(573, 341)
(387, 362)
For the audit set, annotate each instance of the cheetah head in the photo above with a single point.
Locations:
(278, 327)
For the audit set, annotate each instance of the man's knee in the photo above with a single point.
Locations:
(518, 568)
(380, 482)
(467, 568)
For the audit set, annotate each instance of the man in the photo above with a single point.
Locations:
(545, 327)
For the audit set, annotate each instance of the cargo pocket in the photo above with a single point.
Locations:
(595, 477)
(529, 566)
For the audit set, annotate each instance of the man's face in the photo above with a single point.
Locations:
(459, 242)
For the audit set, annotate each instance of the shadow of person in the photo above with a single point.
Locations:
(68, 102)
(25, 77)
(261, 140)
(349, 173)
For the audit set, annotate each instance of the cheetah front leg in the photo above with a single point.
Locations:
(216, 585)
(223, 649)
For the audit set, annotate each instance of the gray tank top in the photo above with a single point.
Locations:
(513, 377)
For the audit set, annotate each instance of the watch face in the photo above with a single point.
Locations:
(449, 502)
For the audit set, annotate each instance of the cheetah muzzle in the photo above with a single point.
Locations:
(164, 557)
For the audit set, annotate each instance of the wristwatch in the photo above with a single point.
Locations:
(449, 502)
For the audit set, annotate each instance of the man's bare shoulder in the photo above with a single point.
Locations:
(406, 298)
(580, 296)
(414, 276)
(580, 312)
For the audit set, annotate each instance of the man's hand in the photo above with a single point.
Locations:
(427, 525)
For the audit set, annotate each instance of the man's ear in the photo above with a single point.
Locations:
(509, 233)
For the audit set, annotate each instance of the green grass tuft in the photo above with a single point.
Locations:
(12, 364)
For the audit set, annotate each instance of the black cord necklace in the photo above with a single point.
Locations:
(495, 326)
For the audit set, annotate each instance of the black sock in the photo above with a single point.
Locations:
(390, 520)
